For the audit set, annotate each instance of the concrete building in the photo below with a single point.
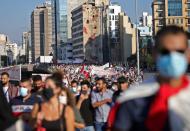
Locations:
(3, 39)
(146, 19)
(90, 31)
(114, 33)
(171, 12)
(26, 44)
(86, 35)
(127, 38)
(41, 31)
(11, 50)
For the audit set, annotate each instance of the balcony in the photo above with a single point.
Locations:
(159, 10)
(159, 25)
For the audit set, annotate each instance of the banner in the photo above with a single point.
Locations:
(102, 71)
(13, 71)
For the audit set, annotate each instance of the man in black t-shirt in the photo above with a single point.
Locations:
(85, 106)
(123, 86)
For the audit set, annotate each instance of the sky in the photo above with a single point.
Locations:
(15, 14)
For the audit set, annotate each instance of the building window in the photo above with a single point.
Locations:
(116, 17)
(177, 21)
(168, 21)
(112, 11)
(181, 21)
(113, 17)
(173, 21)
(174, 7)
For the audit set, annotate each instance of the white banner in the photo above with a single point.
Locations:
(22, 108)
(13, 71)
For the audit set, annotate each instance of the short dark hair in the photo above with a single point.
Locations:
(37, 78)
(122, 80)
(74, 81)
(24, 80)
(166, 30)
(5, 73)
(101, 79)
(85, 82)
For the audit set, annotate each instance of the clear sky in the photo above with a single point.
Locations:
(15, 14)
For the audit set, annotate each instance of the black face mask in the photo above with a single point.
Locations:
(48, 93)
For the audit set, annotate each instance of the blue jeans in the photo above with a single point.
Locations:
(88, 128)
(100, 126)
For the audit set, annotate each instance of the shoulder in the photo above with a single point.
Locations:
(139, 91)
(69, 111)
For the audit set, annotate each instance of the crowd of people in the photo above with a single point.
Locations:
(69, 101)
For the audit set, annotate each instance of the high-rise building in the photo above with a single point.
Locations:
(63, 10)
(26, 45)
(41, 31)
(114, 33)
(86, 36)
(127, 38)
(171, 12)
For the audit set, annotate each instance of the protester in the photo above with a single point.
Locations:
(53, 115)
(101, 102)
(38, 83)
(23, 104)
(163, 105)
(10, 91)
(67, 98)
(85, 106)
(6, 118)
(123, 86)
(74, 87)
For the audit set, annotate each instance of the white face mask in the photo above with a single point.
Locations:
(63, 100)
(74, 89)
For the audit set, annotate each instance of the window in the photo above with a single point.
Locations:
(177, 21)
(113, 17)
(174, 7)
(116, 17)
(112, 11)
(173, 21)
(181, 21)
(168, 21)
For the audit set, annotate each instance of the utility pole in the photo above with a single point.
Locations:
(137, 39)
(55, 17)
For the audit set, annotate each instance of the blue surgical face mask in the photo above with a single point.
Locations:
(23, 91)
(172, 65)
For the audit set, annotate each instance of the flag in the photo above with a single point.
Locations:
(85, 71)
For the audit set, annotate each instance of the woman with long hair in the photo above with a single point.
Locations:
(51, 115)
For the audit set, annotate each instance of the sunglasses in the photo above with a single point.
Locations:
(167, 52)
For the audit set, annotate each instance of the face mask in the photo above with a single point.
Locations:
(114, 87)
(173, 65)
(48, 93)
(63, 100)
(74, 89)
(23, 91)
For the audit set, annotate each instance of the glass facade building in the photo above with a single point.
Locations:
(175, 8)
(61, 19)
